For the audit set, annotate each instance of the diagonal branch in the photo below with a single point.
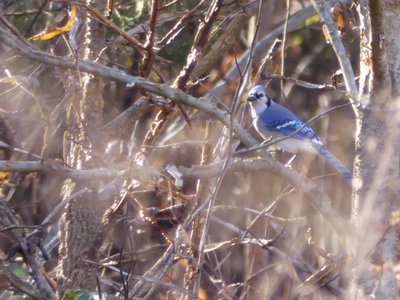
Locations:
(339, 49)
(148, 59)
(20, 284)
(96, 14)
(200, 41)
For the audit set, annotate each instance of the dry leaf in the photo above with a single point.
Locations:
(342, 15)
(52, 32)
(337, 78)
(4, 176)
(341, 22)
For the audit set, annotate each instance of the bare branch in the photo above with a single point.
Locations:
(302, 83)
(96, 14)
(199, 43)
(19, 284)
(297, 20)
(225, 42)
(148, 59)
(8, 219)
(78, 175)
(340, 51)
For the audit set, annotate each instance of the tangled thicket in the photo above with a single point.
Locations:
(121, 130)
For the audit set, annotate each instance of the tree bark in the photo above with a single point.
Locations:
(81, 226)
(377, 150)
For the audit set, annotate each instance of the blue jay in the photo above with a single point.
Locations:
(273, 119)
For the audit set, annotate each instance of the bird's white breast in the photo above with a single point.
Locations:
(291, 145)
(257, 108)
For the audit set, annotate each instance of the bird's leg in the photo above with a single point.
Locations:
(289, 162)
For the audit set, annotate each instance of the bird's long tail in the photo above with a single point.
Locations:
(335, 162)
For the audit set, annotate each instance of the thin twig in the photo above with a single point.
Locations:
(260, 72)
(284, 45)
(14, 30)
(220, 48)
(170, 4)
(305, 84)
(178, 26)
(41, 8)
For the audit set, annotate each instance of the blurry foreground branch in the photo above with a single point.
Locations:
(317, 198)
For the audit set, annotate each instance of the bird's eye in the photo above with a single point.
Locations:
(258, 95)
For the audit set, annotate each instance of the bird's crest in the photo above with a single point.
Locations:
(258, 93)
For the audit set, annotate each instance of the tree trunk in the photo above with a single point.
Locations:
(377, 150)
(81, 226)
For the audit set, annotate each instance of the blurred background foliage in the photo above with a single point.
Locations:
(233, 272)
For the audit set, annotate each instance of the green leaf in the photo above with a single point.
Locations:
(18, 270)
(315, 19)
(77, 295)
(86, 295)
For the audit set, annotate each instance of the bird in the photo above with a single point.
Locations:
(271, 119)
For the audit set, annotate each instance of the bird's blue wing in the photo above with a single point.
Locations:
(288, 127)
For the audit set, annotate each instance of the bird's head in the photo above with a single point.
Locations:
(258, 99)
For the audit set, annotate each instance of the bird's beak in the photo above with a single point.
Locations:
(251, 98)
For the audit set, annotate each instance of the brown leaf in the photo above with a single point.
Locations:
(4, 176)
(341, 15)
(341, 22)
